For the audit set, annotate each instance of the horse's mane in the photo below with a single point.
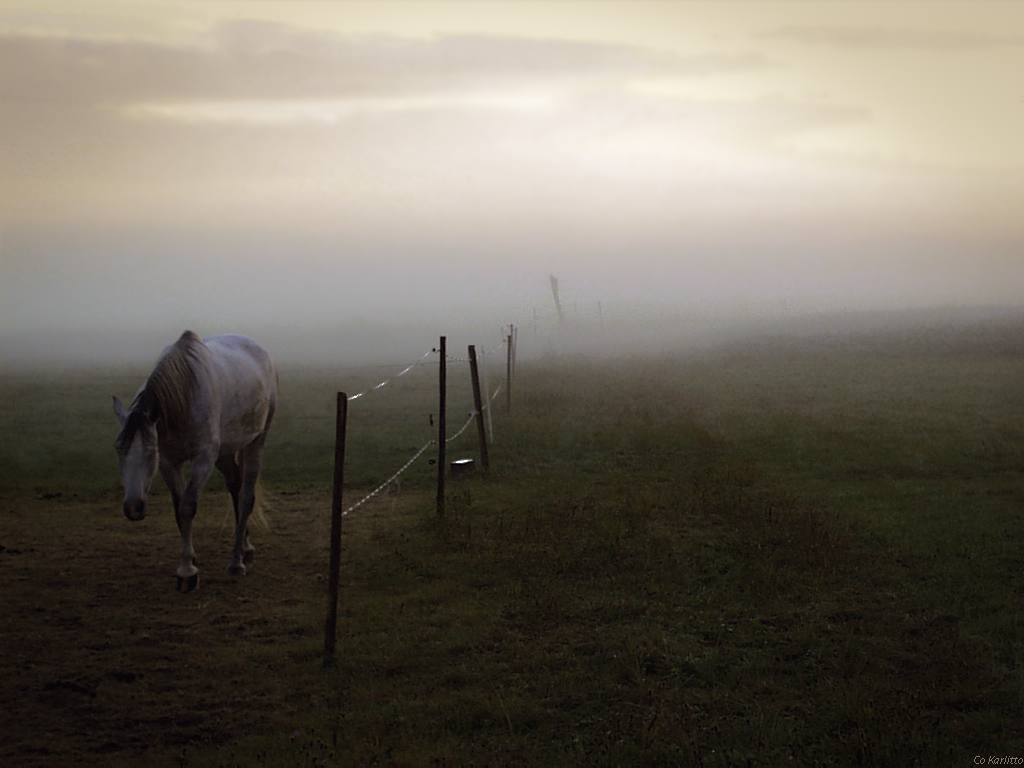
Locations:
(167, 395)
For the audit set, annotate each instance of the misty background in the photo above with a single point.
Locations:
(347, 181)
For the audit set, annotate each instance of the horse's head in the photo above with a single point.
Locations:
(137, 455)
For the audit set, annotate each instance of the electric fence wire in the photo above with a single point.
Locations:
(465, 426)
(390, 480)
(388, 381)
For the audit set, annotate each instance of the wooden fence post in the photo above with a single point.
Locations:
(558, 304)
(481, 432)
(508, 372)
(515, 348)
(330, 629)
(442, 446)
(487, 395)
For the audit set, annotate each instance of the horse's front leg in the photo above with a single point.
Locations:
(188, 574)
(175, 480)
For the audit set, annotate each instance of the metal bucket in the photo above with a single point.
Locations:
(461, 467)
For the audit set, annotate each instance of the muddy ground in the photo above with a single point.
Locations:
(104, 663)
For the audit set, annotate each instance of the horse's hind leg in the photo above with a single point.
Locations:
(229, 467)
(251, 462)
(232, 478)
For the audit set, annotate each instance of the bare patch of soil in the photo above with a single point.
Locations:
(105, 663)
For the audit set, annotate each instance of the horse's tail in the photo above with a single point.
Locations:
(259, 507)
(259, 513)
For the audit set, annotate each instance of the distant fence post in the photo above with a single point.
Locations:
(330, 629)
(481, 431)
(558, 304)
(515, 347)
(442, 452)
(508, 371)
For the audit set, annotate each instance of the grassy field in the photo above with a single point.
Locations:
(776, 552)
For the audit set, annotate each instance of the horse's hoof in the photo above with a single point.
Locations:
(236, 570)
(187, 585)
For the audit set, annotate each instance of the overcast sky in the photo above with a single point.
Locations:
(236, 165)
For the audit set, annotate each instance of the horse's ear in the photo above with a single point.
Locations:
(122, 417)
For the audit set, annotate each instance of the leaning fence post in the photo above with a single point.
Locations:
(487, 394)
(508, 372)
(481, 432)
(442, 453)
(515, 347)
(330, 629)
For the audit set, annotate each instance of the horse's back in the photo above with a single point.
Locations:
(237, 346)
(242, 354)
(247, 379)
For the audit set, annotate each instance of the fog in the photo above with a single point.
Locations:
(345, 185)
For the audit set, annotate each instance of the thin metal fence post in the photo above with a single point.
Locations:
(442, 453)
(331, 627)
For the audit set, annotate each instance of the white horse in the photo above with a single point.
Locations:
(209, 402)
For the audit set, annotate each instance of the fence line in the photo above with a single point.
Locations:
(339, 463)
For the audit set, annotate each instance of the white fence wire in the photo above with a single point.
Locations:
(400, 373)
(464, 427)
(408, 368)
(390, 480)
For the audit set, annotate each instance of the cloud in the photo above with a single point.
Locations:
(456, 134)
(327, 111)
(384, 60)
(892, 38)
(251, 61)
(267, 107)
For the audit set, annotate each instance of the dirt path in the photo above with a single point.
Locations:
(104, 663)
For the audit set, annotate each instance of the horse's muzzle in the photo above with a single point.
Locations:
(135, 510)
